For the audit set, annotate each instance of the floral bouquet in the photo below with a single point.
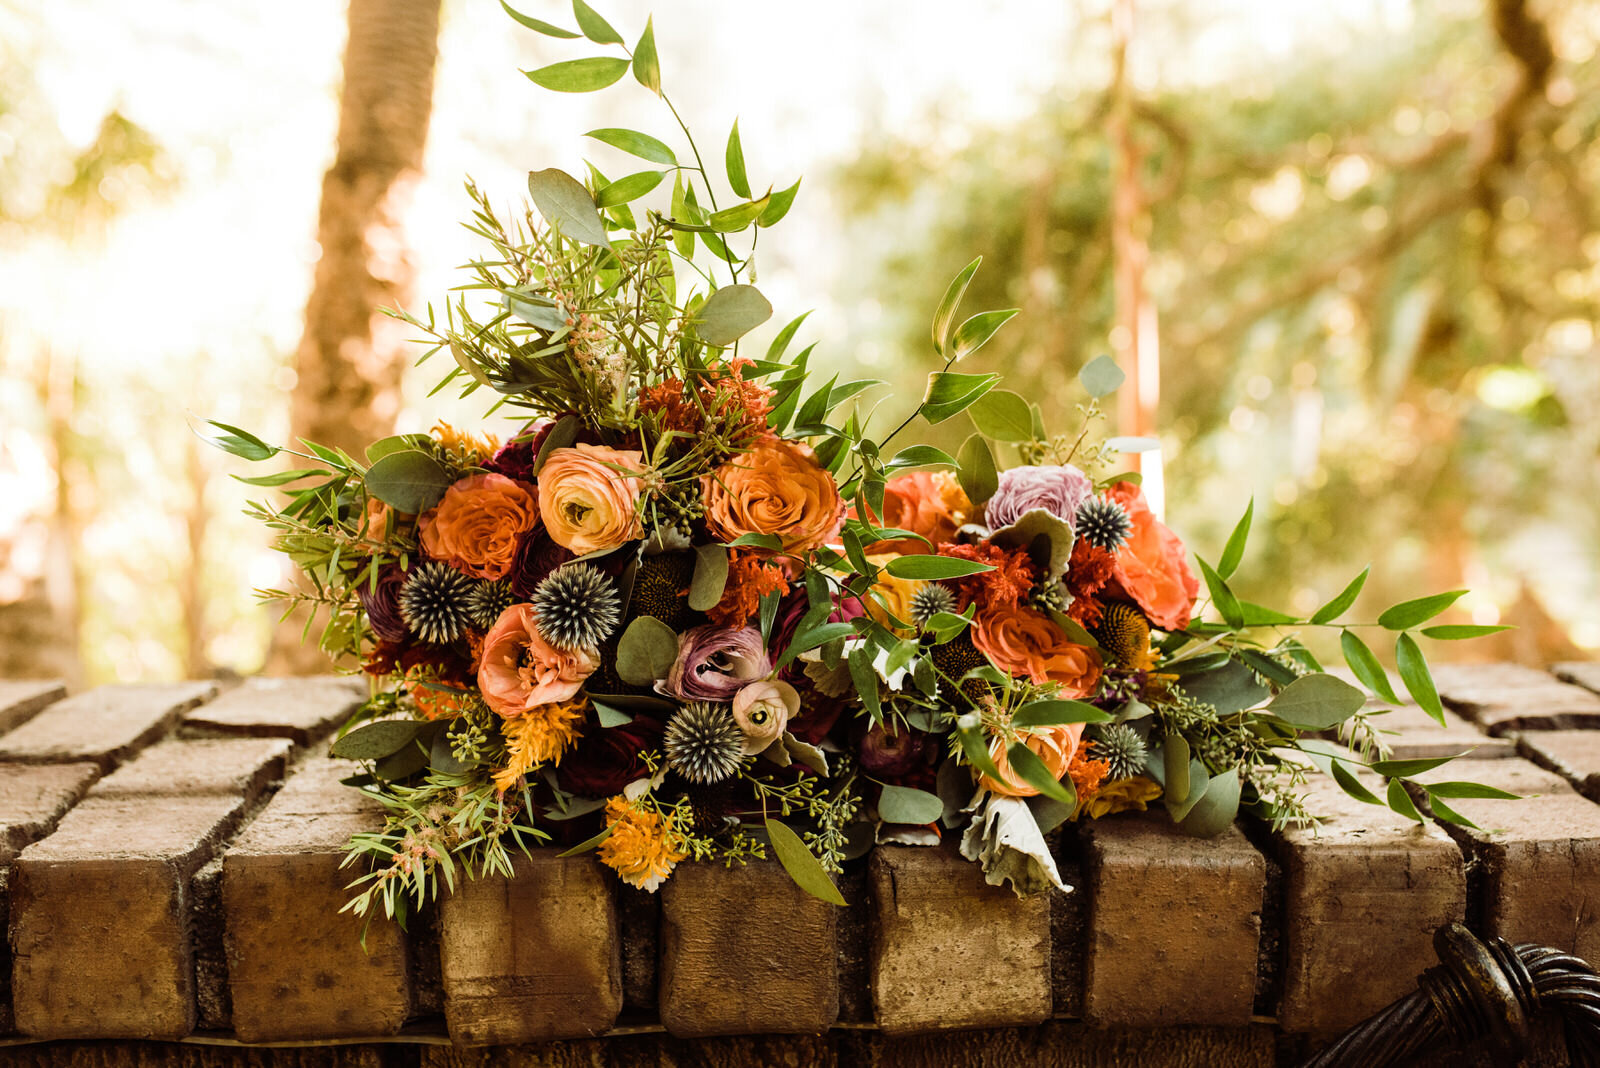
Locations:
(692, 607)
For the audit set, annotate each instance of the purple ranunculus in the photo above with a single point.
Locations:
(714, 663)
(1057, 489)
(382, 604)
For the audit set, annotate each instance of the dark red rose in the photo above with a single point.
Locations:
(903, 753)
(608, 758)
(818, 714)
(516, 457)
(537, 556)
(382, 604)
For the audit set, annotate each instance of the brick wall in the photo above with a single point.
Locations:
(169, 872)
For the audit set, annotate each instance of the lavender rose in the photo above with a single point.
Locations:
(714, 663)
(1058, 490)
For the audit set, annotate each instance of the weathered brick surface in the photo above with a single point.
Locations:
(951, 951)
(239, 767)
(1540, 854)
(1585, 673)
(300, 709)
(1141, 971)
(295, 962)
(21, 699)
(100, 922)
(1417, 735)
(105, 725)
(745, 951)
(1364, 893)
(1574, 755)
(33, 797)
(1508, 697)
(531, 958)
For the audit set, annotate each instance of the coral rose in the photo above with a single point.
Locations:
(930, 503)
(1055, 746)
(476, 526)
(778, 488)
(1029, 645)
(586, 503)
(1152, 566)
(520, 670)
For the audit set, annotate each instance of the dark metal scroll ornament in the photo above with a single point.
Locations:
(1488, 992)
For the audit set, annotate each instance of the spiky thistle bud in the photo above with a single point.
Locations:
(929, 600)
(487, 601)
(703, 742)
(434, 602)
(1124, 752)
(1103, 523)
(578, 607)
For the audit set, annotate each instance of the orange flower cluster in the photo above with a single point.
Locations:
(476, 526)
(930, 503)
(1087, 574)
(640, 847)
(777, 488)
(749, 579)
(1086, 772)
(539, 736)
(1029, 645)
(722, 393)
(1009, 582)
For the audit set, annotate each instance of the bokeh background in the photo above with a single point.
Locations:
(1356, 246)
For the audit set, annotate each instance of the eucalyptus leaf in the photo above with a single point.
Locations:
(1199, 783)
(1214, 812)
(710, 577)
(1101, 376)
(1317, 702)
(608, 715)
(372, 741)
(401, 764)
(976, 470)
(561, 436)
(410, 481)
(567, 205)
(646, 651)
(730, 313)
(442, 757)
(901, 804)
(1175, 759)
(1003, 415)
(801, 864)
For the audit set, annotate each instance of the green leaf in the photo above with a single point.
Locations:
(1400, 801)
(402, 763)
(976, 470)
(1175, 762)
(442, 756)
(770, 542)
(588, 843)
(1003, 415)
(945, 316)
(1448, 814)
(1233, 552)
(730, 313)
(561, 436)
(1414, 673)
(1365, 664)
(951, 393)
(946, 626)
(1341, 604)
(734, 158)
(646, 651)
(1214, 812)
(635, 144)
(410, 481)
(1199, 783)
(976, 748)
(1352, 785)
(1468, 789)
(801, 864)
(646, 65)
(1460, 632)
(710, 577)
(567, 205)
(1101, 376)
(922, 456)
(778, 205)
(732, 220)
(396, 443)
(1221, 596)
(810, 639)
(682, 240)
(283, 477)
(780, 344)
(593, 26)
(1267, 667)
(1408, 614)
(901, 804)
(373, 741)
(1026, 763)
(976, 331)
(536, 25)
(934, 568)
(865, 680)
(1405, 769)
(242, 443)
(1053, 712)
(1317, 702)
(628, 188)
(580, 75)
(1255, 615)
(608, 715)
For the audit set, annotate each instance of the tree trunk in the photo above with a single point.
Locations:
(349, 363)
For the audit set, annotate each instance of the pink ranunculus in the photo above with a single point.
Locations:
(762, 711)
(715, 663)
(520, 670)
(1058, 489)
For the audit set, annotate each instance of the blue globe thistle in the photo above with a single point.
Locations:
(703, 742)
(435, 602)
(1103, 523)
(1124, 752)
(577, 606)
(488, 601)
(929, 600)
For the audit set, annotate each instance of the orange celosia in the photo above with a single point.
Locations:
(539, 736)
(1087, 773)
(749, 579)
(1087, 574)
(1002, 588)
(677, 411)
(640, 846)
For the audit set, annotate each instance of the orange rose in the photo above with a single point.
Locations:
(475, 527)
(376, 523)
(1152, 567)
(930, 503)
(520, 670)
(586, 503)
(1053, 745)
(778, 487)
(1028, 644)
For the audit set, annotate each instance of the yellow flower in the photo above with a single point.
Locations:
(891, 596)
(640, 846)
(469, 448)
(1120, 796)
(539, 736)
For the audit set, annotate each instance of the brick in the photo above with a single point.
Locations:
(745, 951)
(1363, 892)
(33, 797)
(1508, 697)
(1166, 910)
(1585, 673)
(1574, 755)
(951, 951)
(1418, 736)
(534, 957)
(300, 709)
(239, 767)
(100, 921)
(295, 962)
(1540, 855)
(105, 725)
(21, 699)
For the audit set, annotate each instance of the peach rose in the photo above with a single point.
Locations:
(930, 503)
(376, 523)
(476, 526)
(1028, 644)
(890, 596)
(1152, 566)
(520, 670)
(586, 503)
(1053, 745)
(778, 487)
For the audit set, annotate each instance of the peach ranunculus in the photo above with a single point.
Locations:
(890, 595)
(930, 503)
(1028, 644)
(778, 488)
(476, 526)
(763, 710)
(519, 670)
(1053, 745)
(586, 502)
(1152, 566)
